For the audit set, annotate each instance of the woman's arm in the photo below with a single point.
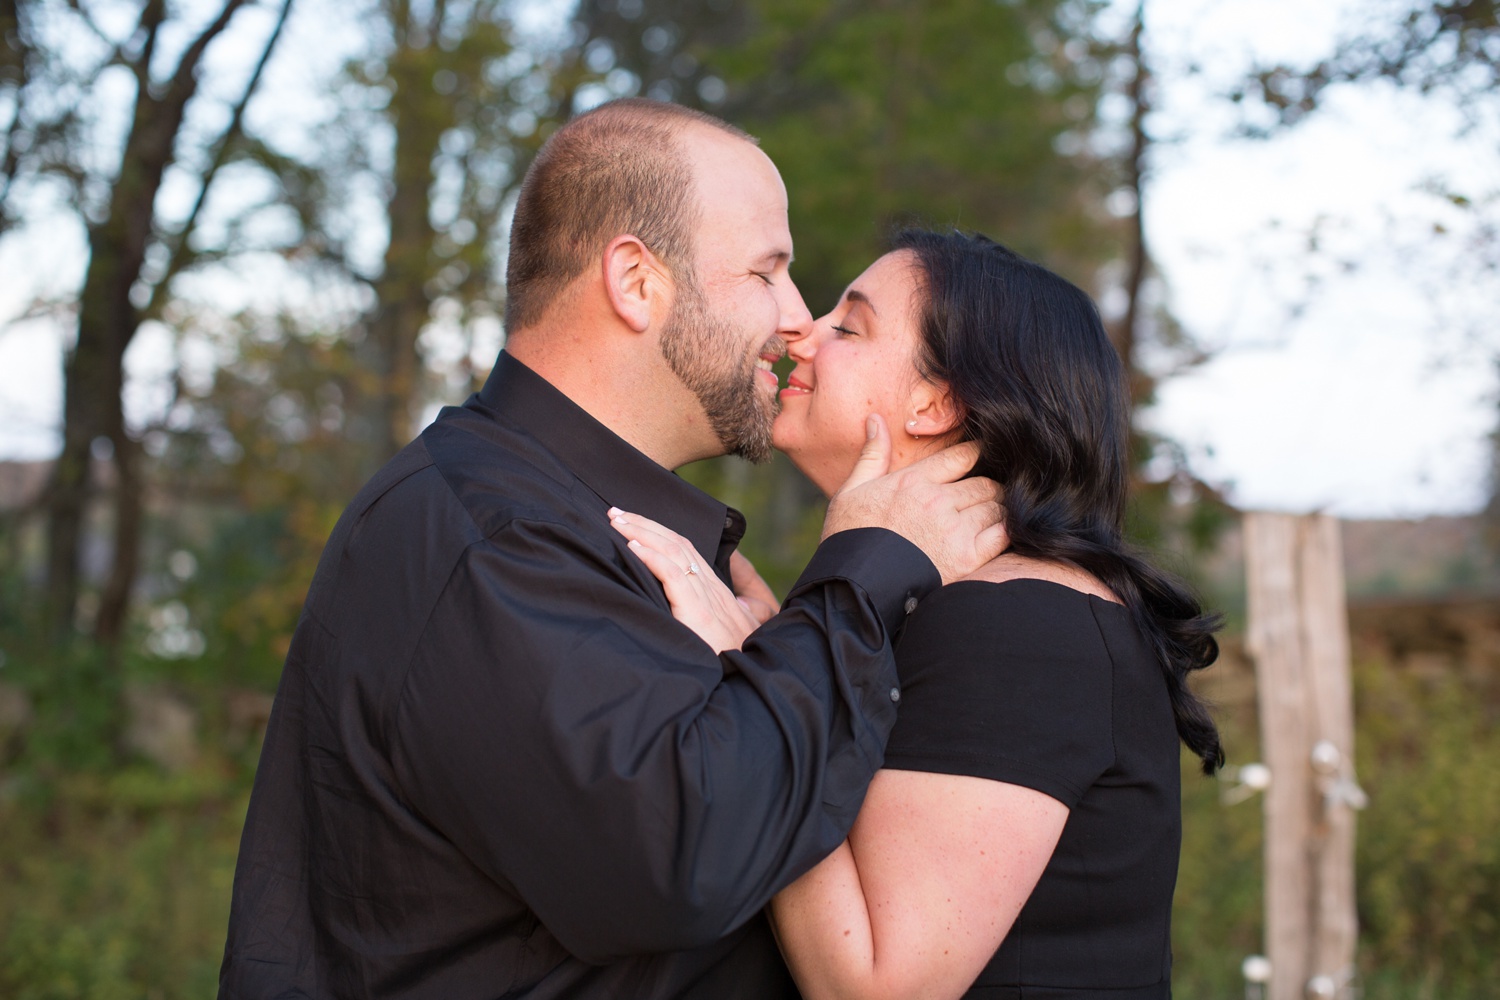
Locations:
(917, 900)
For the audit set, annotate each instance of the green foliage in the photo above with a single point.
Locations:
(943, 112)
(75, 692)
(1428, 854)
(1218, 910)
(269, 454)
(118, 888)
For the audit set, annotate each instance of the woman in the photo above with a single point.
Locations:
(1022, 839)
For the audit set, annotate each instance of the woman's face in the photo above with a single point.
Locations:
(860, 359)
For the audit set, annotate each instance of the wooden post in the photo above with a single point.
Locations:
(1298, 635)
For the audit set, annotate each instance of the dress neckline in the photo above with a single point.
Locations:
(1048, 583)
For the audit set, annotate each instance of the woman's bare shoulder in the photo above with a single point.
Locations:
(1010, 566)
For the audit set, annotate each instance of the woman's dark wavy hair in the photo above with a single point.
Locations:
(1041, 389)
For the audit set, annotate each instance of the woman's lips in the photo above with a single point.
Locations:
(795, 387)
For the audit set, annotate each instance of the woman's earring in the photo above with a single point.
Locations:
(911, 429)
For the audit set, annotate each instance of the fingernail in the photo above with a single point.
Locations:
(633, 544)
(614, 512)
(619, 519)
(871, 428)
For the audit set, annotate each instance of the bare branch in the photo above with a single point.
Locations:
(184, 82)
(76, 6)
(180, 254)
(17, 72)
(152, 16)
(1437, 45)
(1127, 333)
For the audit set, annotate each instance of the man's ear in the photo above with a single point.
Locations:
(933, 412)
(635, 281)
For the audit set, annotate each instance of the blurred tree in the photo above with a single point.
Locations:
(438, 114)
(1425, 45)
(16, 64)
(60, 60)
(1168, 501)
(262, 465)
(661, 49)
(435, 118)
(945, 112)
(938, 113)
(461, 106)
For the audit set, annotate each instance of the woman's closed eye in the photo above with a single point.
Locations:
(844, 331)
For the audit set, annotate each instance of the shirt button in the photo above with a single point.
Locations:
(896, 696)
(911, 605)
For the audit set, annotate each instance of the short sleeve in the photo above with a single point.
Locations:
(1008, 681)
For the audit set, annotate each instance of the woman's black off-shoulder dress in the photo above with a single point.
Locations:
(1040, 685)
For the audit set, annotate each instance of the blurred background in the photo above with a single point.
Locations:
(248, 248)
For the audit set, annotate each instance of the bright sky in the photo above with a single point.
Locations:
(1378, 398)
(1374, 399)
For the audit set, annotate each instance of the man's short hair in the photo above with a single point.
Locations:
(618, 169)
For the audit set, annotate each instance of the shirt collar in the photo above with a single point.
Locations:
(615, 470)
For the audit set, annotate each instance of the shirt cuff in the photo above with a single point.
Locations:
(892, 572)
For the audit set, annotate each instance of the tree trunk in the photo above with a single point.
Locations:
(418, 117)
(1127, 331)
(92, 385)
(94, 373)
(129, 512)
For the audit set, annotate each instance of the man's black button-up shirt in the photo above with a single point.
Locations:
(498, 767)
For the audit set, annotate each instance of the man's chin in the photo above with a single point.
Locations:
(757, 449)
(753, 444)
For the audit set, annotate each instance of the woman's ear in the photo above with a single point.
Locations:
(634, 281)
(933, 413)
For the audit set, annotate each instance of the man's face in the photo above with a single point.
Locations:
(730, 315)
(703, 348)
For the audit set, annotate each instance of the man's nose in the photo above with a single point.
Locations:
(796, 321)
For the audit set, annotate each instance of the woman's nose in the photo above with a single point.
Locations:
(803, 348)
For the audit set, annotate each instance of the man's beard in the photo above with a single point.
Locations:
(694, 344)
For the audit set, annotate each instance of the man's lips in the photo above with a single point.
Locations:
(773, 352)
(763, 366)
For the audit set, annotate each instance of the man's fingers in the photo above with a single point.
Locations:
(748, 583)
(991, 542)
(875, 458)
(971, 492)
(985, 514)
(948, 465)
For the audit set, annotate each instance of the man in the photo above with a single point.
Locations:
(497, 766)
